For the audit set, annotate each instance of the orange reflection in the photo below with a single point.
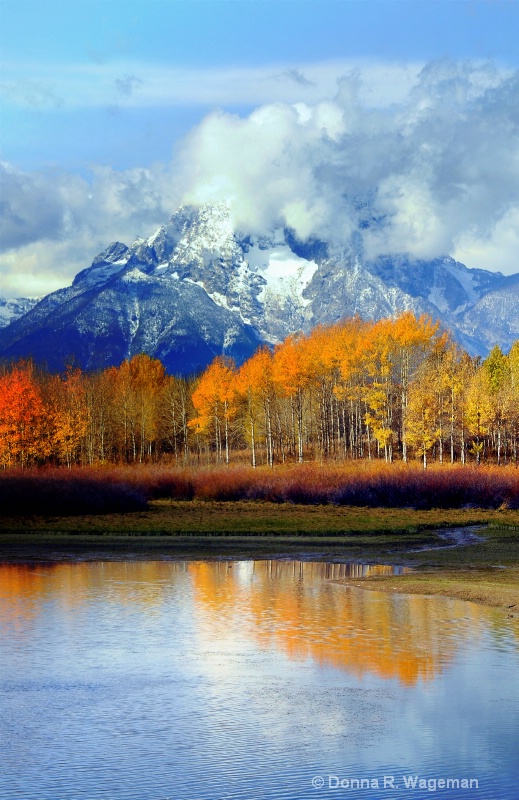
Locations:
(293, 606)
(23, 588)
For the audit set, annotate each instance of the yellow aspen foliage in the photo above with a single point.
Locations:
(422, 429)
(66, 397)
(254, 386)
(353, 389)
(291, 371)
(479, 410)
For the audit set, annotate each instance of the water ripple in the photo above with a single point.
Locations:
(205, 681)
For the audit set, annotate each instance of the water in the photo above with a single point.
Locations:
(248, 681)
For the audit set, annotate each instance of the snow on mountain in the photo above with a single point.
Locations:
(197, 287)
(108, 263)
(495, 316)
(11, 310)
(285, 273)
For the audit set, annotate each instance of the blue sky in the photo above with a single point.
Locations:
(48, 43)
(104, 104)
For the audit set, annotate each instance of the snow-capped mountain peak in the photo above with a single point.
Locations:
(197, 287)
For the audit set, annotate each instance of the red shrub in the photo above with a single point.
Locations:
(103, 489)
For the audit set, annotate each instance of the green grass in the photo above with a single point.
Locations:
(240, 518)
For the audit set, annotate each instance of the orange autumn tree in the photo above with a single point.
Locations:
(148, 380)
(291, 372)
(394, 351)
(136, 388)
(352, 389)
(22, 419)
(352, 342)
(380, 390)
(322, 360)
(256, 390)
(214, 400)
(67, 415)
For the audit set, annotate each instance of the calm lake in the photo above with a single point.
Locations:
(249, 680)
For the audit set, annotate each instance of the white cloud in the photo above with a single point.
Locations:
(268, 166)
(427, 175)
(429, 168)
(498, 250)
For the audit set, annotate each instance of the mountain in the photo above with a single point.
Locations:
(15, 308)
(481, 308)
(198, 288)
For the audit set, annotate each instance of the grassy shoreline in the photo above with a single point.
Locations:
(492, 586)
(487, 572)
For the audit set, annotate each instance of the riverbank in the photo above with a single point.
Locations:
(492, 586)
(486, 572)
(257, 518)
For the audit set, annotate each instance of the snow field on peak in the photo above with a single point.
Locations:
(13, 308)
(285, 273)
(135, 275)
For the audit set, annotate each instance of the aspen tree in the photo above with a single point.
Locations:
(214, 400)
(496, 372)
(291, 373)
(22, 418)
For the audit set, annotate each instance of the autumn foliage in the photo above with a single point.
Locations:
(393, 390)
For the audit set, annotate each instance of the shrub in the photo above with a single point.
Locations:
(96, 490)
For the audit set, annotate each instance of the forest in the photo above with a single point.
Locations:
(394, 390)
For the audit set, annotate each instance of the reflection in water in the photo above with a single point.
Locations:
(293, 606)
(205, 680)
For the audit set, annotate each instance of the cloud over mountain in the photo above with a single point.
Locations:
(434, 174)
(433, 170)
(52, 222)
